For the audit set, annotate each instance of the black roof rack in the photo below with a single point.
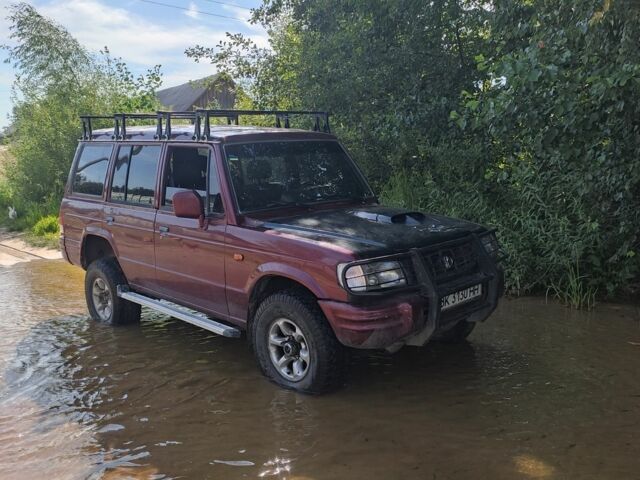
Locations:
(201, 120)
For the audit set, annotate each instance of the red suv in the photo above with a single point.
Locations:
(273, 231)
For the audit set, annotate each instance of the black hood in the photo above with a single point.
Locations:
(373, 230)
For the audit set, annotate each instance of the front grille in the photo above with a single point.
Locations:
(452, 261)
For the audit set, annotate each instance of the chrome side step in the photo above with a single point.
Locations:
(190, 316)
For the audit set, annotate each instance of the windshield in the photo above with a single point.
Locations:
(272, 174)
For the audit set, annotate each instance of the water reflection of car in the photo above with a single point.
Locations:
(272, 231)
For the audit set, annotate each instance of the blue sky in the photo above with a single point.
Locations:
(142, 32)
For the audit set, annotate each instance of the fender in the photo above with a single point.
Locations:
(296, 274)
(96, 231)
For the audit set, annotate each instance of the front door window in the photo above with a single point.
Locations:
(192, 168)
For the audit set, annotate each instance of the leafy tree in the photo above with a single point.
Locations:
(390, 72)
(57, 80)
(562, 121)
(519, 113)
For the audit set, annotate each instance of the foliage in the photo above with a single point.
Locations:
(390, 72)
(56, 81)
(573, 290)
(268, 76)
(560, 121)
(47, 226)
(521, 114)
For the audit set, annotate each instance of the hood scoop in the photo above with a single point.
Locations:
(403, 218)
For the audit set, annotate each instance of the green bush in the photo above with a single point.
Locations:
(46, 226)
(547, 228)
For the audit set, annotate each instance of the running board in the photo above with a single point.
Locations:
(179, 312)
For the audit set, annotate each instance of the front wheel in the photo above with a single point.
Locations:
(100, 285)
(294, 345)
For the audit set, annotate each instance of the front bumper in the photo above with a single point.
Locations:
(375, 326)
(412, 318)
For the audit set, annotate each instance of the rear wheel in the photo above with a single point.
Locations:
(458, 333)
(101, 282)
(294, 345)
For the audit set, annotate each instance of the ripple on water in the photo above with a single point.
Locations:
(539, 392)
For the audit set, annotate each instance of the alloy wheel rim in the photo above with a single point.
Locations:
(289, 349)
(102, 299)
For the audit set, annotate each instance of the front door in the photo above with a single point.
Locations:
(131, 210)
(190, 257)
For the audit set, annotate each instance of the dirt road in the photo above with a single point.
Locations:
(13, 249)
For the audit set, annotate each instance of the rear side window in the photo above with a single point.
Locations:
(134, 175)
(91, 169)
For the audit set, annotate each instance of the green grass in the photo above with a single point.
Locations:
(574, 291)
(50, 240)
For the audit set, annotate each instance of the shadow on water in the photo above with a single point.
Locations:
(539, 392)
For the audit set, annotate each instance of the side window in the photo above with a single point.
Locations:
(134, 176)
(186, 169)
(91, 169)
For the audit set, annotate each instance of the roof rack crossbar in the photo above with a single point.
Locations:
(201, 119)
(282, 117)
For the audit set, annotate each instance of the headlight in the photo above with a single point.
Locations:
(491, 245)
(372, 276)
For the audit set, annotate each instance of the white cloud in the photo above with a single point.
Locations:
(238, 12)
(139, 40)
(127, 35)
(193, 11)
(261, 38)
(142, 41)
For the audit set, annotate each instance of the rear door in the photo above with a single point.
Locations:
(82, 207)
(190, 258)
(131, 210)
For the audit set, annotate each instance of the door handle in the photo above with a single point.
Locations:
(109, 220)
(163, 229)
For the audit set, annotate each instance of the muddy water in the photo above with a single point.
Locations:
(539, 392)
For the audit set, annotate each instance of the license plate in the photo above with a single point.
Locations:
(462, 296)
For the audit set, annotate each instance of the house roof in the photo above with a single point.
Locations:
(182, 97)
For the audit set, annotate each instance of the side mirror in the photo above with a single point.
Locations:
(189, 204)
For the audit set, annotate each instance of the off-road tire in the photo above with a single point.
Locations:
(123, 312)
(327, 356)
(457, 334)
